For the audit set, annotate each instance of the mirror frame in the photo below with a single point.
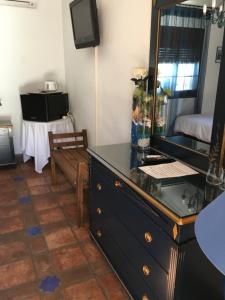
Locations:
(217, 146)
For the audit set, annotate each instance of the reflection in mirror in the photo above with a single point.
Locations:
(188, 70)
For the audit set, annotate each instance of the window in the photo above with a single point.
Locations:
(181, 78)
(181, 42)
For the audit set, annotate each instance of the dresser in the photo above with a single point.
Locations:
(7, 155)
(145, 228)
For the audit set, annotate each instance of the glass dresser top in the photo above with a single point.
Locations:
(184, 196)
(189, 143)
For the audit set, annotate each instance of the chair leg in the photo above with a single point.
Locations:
(53, 170)
(80, 208)
(82, 211)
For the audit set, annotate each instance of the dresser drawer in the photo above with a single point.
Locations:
(103, 172)
(135, 217)
(116, 184)
(98, 213)
(101, 193)
(147, 268)
(137, 287)
(106, 187)
(134, 214)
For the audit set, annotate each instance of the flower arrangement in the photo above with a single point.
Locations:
(141, 112)
(161, 109)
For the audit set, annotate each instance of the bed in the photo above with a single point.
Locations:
(198, 126)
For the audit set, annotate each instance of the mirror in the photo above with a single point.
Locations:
(188, 64)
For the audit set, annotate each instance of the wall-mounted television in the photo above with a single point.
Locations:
(85, 23)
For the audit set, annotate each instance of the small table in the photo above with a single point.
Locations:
(7, 155)
(35, 139)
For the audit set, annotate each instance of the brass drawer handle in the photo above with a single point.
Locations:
(146, 270)
(99, 211)
(117, 184)
(145, 297)
(99, 233)
(148, 237)
(99, 187)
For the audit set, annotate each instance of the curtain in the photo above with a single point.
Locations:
(183, 16)
(202, 72)
(180, 49)
(181, 44)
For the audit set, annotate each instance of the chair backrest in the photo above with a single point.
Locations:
(73, 139)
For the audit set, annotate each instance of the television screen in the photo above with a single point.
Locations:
(85, 23)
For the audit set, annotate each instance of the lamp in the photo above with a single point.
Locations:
(217, 13)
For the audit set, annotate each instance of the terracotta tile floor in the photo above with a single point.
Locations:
(43, 254)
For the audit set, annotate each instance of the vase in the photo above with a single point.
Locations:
(141, 117)
(211, 193)
(214, 175)
(161, 116)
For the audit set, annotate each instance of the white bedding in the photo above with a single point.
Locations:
(198, 126)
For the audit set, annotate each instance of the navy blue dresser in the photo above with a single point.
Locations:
(149, 239)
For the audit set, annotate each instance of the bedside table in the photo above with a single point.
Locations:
(7, 155)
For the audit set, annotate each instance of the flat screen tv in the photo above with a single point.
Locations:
(85, 23)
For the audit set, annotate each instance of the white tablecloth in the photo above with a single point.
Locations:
(35, 139)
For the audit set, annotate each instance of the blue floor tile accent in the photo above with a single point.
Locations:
(25, 199)
(18, 178)
(33, 231)
(49, 284)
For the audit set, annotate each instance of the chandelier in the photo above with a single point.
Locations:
(216, 14)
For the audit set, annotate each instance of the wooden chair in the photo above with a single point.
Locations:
(68, 152)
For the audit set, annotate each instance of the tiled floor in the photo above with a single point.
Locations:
(43, 254)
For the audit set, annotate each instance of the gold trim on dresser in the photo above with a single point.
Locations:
(162, 208)
(154, 202)
(172, 273)
(175, 231)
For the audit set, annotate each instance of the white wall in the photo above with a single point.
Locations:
(212, 70)
(80, 78)
(98, 80)
(31, 51)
